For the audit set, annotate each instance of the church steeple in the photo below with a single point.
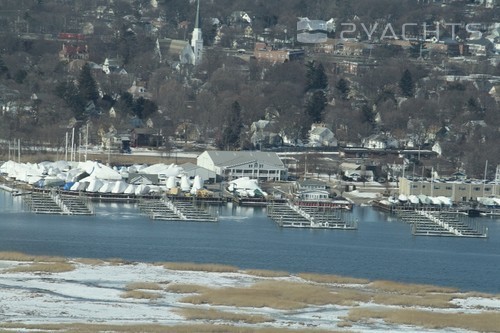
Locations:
(197, 22)
(197, 39)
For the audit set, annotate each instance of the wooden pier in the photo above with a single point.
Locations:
(169, 210)
(289, 215)
(440, 223)
(57, 204)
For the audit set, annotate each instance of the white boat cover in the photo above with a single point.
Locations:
(142, 189)
(197, 184)
(130, 189)
(119, 187)
(107, 187)
(185, 186)
(171, 182)
(413, 199)
(94, 185)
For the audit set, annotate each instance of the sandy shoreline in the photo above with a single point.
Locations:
(37, 291)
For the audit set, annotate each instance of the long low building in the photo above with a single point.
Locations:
(229, 165)
(457, 191)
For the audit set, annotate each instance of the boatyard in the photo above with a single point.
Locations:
(168, 193)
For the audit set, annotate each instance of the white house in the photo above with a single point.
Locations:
(380, 141)
(313, 195)
(236, 164)
(320, 135)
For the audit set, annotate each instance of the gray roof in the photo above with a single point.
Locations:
(187, 167)
(232, 158)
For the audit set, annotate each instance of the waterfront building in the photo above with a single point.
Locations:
(458, 191)
(264, 166)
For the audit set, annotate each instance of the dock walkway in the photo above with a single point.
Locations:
(57, 204)
(169, 210)
(289, 215)
(436, 223)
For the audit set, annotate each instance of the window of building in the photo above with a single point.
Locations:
(487, 189)
(449, 188)
(477, 188)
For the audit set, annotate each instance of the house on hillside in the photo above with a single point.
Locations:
(113, 66)
(73, 52)
(140, 137)
(264, 166)
(263, 134)
(138, 89)
(265, 52)
(321, 136)
(480, 47)
(380, 141)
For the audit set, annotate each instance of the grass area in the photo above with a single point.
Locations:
(431, 300)
(480, 322)
(186, 288)
(191, 266)
(18, 256)
(140, 294)
(90, 261)
(408, 288)
(147, 328)
(49, 267)
(281, 295)
(211, 314)
(266, 273)
(334, 279)
(143, 286)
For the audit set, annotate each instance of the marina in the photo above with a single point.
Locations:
(381, 248)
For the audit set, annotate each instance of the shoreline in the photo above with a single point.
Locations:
(115, 295)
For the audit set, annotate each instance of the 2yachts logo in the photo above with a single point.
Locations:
(316, 31)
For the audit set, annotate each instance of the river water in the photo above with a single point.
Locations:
(382, 248)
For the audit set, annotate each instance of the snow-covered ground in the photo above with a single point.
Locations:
(93, 293)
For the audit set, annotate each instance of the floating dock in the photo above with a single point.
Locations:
(440, 223)
(57, 204)
(289, 215)
(170, 210)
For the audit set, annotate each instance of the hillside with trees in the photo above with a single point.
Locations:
(401, 91)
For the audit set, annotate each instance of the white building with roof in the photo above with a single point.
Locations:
(320, 135)
(235, 164)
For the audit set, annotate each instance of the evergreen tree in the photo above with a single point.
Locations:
(316, 76)
(68, 92)
(144, 108)
(3, 67)
(406, 84)
(368, 115)
(87, 85)
(321, 81)
(316, 106)
(232, 131)
(310, 75)
(343, 88)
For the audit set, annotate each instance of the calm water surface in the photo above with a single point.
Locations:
(382, 247)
